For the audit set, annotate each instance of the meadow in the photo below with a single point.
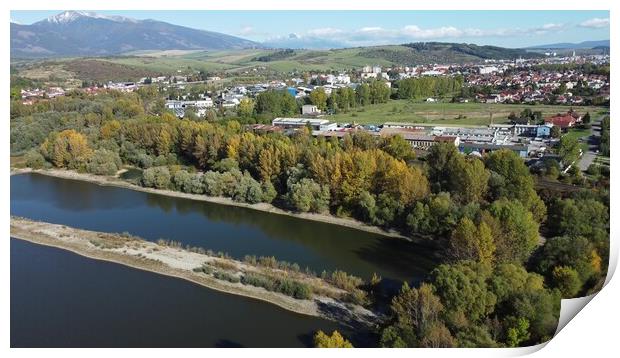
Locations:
(438, 113)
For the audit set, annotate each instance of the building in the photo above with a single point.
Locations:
(418, 138)
(310, 109)
(477, 135)
(487, 70)
(316, 124)
(482, 148)
(263, 128)
(53, 92)
(564, 121)
(122, 86)
(200, 106)
(523, 130)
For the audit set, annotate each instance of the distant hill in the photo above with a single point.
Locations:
(580, 45)
(442, 52)
(77, 33)
(146, 64)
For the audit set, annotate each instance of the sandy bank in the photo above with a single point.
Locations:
(177, 262)
(114, 181)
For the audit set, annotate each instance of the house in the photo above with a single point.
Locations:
(310, 110)
(564, 121)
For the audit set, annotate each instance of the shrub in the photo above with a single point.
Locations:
(34, 159)
(104, 162)
(248, 190)
(307, 195)
(285, 286)
(224, 265)
(156, 177)
(345, 281)
(225, 276)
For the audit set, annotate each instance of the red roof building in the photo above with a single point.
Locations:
(563, 121)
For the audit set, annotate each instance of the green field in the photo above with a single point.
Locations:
(580, 133)
(439, 113)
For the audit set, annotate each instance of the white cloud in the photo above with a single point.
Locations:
(441, 32)
(325, 31)
(371, 29)
(375, 35)
(551, 26)
(595, 23)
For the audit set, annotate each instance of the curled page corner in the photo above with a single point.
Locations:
(569, 309)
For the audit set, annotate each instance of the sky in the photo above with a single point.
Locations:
(364, 28)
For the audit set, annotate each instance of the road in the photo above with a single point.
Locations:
(593, 139)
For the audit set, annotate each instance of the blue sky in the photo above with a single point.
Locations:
(359, 28)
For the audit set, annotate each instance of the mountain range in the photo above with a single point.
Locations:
(79, 33)
(569, 45)
(89, 34)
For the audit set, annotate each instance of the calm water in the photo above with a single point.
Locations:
(237, 231)
(59, 299)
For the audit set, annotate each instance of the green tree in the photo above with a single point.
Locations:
(568, 149)
(514, 229)
(307, 195)
(318, 98)
(518, 333)
(567, 280)
(246, 108)
(469, 242)
(511, 179)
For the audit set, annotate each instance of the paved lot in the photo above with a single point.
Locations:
(588, 157)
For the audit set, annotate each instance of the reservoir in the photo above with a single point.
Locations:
(234, 230)
(60, 299)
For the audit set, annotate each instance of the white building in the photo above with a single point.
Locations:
(294, 123)
(310, 109)
(487, 69)
(200, 107)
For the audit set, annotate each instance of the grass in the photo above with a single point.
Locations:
(579, 133)
(442, 113)
(602, 160)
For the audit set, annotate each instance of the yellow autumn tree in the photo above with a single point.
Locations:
(469, 242)
(110, 129)
(336, 340)
(67, 149)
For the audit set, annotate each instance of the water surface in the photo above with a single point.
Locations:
(237, 231)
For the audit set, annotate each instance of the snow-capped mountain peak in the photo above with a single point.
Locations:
(70, 16)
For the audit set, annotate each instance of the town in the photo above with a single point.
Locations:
(572, 81)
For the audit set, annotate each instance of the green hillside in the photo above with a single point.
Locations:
(278, 60)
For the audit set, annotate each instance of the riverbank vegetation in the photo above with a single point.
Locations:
(510, 252)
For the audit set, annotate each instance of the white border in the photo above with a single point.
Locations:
(592, 332)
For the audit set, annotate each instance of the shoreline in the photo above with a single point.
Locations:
(180, 263)
(264, 207)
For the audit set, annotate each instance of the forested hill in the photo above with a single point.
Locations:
(442, 52)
